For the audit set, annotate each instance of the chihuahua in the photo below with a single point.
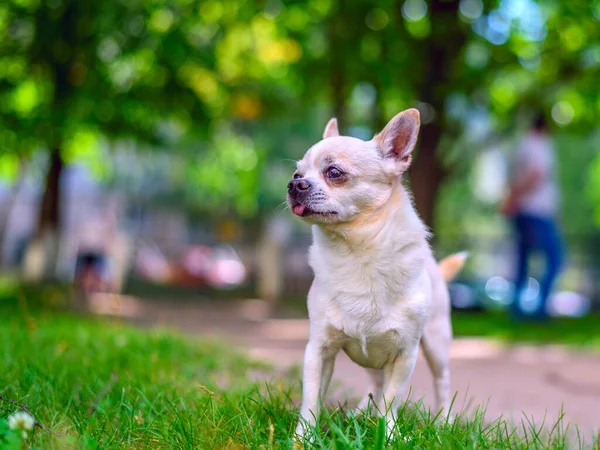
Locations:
(377, 291)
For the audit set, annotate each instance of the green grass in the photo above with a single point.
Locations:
(583, 332)
(99, 384)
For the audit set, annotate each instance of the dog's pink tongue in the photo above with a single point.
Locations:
(299, 209)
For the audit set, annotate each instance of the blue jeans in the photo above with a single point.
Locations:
(537, 234)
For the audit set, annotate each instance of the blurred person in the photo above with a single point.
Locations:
(532, 204)
(93, 242)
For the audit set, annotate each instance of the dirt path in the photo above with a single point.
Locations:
(536, 381)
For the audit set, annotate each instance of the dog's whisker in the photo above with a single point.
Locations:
(281, 207)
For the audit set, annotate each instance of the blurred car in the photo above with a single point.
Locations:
(200, 265)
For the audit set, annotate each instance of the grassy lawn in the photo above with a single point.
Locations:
(581, 332)
(101, 384)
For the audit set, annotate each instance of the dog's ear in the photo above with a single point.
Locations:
(397, 140)
(331, 130)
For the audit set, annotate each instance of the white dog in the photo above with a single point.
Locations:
(377, 291)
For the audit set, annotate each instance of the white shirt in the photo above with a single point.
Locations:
(95, 235)
(536, 152)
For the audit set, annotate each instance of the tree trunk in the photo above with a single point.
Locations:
(49, 218)
(439, 53)
(43, 252)
(41, 260)
(426, 174)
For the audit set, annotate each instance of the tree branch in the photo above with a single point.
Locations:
(24, 408)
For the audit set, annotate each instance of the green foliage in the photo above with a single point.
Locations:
(581, 332)
(229, 89)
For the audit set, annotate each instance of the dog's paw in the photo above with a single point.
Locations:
(304, 435)
(367, 407)
(300, 430)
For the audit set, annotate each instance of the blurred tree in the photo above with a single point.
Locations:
(76, 75)
(224, 91)
(523, 57)
(73, 69)
(468, 65)
(437, 73)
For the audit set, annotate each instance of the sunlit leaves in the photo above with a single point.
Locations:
(26, 97)
(477, 55)
(225, 178)
(507, 88)
(295, 18)
(571, 105)
(205, 85)
(9, 167)
(563, 112)
(279, 51)
(108, 49)
(164, 73)
(84, 145)
(136, 68)
(420, 29)
(161, 20)
(547, 43)
(572, 35)
(235, 152)
(12, 68)
(394, 101)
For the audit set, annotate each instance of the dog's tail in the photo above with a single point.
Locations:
(451, 265)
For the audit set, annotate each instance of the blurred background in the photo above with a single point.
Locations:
(151, 141)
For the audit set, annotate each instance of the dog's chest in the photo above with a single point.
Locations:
(373, 351)
(356, 281)
(374, 305)
(368, 318)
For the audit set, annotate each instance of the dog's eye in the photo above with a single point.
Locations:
(334, 172)
(296, 176)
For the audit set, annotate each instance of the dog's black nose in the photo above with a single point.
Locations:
(298, 185)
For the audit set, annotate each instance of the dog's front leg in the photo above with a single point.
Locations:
(396, 375)
(318, 368)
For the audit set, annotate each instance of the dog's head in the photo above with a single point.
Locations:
(342, 178)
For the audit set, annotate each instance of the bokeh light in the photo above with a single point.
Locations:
(414, 10)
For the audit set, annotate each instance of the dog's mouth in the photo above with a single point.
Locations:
(305, 211)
